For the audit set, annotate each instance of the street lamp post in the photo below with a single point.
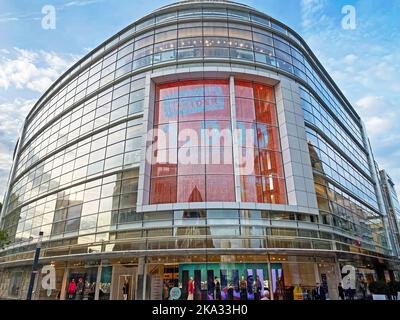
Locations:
(35, 266)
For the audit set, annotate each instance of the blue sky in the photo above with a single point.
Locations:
(364, 62)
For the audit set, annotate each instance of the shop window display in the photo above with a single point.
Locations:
(82, 284)
(105, 283)
(225, 281)
(49, 294)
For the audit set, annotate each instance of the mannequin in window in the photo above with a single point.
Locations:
(217, 289)
(243, 289)
(257, 288)
(79, 289)
(71, 289)
(190, 289)
(165, 291)
(125, 289)
(298, 292)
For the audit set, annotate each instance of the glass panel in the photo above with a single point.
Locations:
(247, 134)
(167, 91)
(268, 137)
(220, 188)
(263, 92)
(191, 108)
(216, 52)
(190, 162)
(191, 88)
(244, 89)
(249, 163)
(163, 190)
(274, 190)
(245, 110)
(219, 160)
(191, 188)
(191, 135)
(166, 111)
(251, 189)
(271, 163)
(217, 108)
(266, 113)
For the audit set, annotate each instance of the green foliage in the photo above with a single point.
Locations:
(3, 239)
(3, 234)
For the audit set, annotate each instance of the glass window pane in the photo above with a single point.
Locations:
(271, 163)
(219, 160)
(72, 225)
(74, 212)
(114, 162)
(251, 189)
(263, 92)
(220, 188)
(128, 200)
(268, 137)
(244, 89)
(166, 111)
(163, 190)
(191, 188)
(167, 91)
(216, 52)
(249, 163)
(216, 88)
(191, 108)
(191, 88)
(163, 169)
(190, 161)
(245, 110)
(247, 134)
(191, 135)
(274, 190)
(262, 38)
(266, 113)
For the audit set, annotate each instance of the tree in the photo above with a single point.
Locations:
(3, 239)
(3, 234)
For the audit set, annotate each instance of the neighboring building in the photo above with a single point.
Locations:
(392, 209)
(296, 197)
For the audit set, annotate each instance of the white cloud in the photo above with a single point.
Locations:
(312, 12)
(12, 117)
(34, 70)
(82, 3)
(365, 63)
(350, 58)
(38, 15)
(28, 70)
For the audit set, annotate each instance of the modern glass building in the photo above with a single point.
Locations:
(203, 147)
(393, 210)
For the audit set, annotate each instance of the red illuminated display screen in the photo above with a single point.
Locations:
(192, 143)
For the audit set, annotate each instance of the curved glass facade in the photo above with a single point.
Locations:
(123, 167)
